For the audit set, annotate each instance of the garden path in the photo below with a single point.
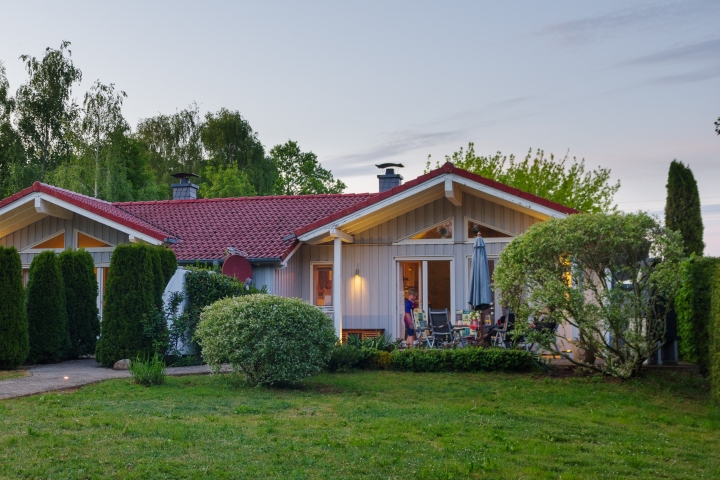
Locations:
(73, 374)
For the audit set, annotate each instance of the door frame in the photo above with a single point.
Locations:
(423, 259)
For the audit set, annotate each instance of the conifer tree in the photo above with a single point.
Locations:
(81, 291)
(14, 343)
(682, 208)
(168, 261)
(130, 299)
(45, 307)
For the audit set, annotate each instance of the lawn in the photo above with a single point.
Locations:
(369, 424)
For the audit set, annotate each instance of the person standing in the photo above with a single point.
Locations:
(408, 317)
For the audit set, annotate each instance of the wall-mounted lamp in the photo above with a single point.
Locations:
(357, 270)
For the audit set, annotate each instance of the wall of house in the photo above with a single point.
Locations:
(371, 299)
(264, 276)
(36, 232)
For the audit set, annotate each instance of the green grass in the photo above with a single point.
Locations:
(8, 374)
(369, 425)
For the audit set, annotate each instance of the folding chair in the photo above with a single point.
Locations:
(442, 330)
(421, 328)
(502, 338)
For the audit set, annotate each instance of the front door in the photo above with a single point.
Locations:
(431, 279)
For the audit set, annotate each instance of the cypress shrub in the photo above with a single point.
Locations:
(129, 299)
(45, 307)
(168, 261)
(158, 275)
(693, 305)
(715, 338)
(14, 341)
(81, 291)
(682, 208)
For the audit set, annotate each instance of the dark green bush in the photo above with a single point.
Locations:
(168, 262)
(344, 357)
(158, 275)
(14, 341)
(45, 308)
(421, 360)
(693, 304)
(130, 303)
(272, 340)
(715, 338)
(81, 291)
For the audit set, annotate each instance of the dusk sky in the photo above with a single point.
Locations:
(626, 85)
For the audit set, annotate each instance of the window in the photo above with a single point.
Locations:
(442, 230)
(474, 227)
(54, 242)
(86, 241)
(322, 276)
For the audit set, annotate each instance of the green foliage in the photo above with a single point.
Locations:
(130, 302)
(714, 331)
(272, 340)
(300, 173)
(204, 287)
(45, 308)
(568, 185)
(682, 208)
(717, 126)
(168, 263)
(81, 291)
(225, 183)
(148, 371)
(381, 342)
(157, 275)
(693, 304)
(593, 272)
(14, 341)
(344, 357)
(45, 110)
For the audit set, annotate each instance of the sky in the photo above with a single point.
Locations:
(628, 86)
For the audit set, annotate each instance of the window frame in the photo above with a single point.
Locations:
(428, 241)
(313, 296)
(31, 248)
(468, 239)
(76, 242)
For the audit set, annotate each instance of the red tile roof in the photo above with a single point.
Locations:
(446, 168)
(262, 227)
(257, 226)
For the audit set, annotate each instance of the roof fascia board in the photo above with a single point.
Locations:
(100, 219)
(372, 208)
(289, 255)
(12, 206)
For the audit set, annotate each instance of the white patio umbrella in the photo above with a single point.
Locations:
(480, 294)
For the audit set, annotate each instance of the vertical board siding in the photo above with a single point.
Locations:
(264, 276)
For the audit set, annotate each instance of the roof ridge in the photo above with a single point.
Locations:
(256, 198)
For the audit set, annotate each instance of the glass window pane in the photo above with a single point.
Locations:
(444, 230)
(485, 231)
(322, 285)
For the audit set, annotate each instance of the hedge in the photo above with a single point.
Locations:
(130, 300)
(81, 291)
(157, 275)
(693, 305)
(715, 338)
(469, 359)
(45, 308)
(168, 263)
(14, 340)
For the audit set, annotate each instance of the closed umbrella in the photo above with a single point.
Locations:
(480, 294)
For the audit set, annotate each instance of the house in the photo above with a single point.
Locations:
(352, 255)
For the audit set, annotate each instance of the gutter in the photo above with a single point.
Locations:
(220, 261)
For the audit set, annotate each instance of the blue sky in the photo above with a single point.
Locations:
(625, 85)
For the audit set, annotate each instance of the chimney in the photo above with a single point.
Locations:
(184, 190)
(390, 179)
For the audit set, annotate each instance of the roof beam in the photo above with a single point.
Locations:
(17, 222)
(345, 237)
(453, 192)
(43, 206)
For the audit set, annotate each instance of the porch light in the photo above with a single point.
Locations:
(357, 272)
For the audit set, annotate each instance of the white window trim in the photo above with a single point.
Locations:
(32, 249)
(312, 286)
(428, 241)
(467, 221)
(468, 269)
(76, 242)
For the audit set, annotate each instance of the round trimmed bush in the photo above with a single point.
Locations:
(14, 343)
(272, 340)
(81, 291)
(45, 307)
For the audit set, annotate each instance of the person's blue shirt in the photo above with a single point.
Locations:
(409, 306)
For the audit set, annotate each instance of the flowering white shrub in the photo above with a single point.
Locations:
(272, 340)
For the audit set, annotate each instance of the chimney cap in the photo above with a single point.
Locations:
(388, 165)
(184, 175)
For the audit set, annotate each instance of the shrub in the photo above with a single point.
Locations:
(715, 338)
(168, 263)
(129, 303)
(158, 276)
(469, 359)
(693, 305)
(14, 342)
(203, 288)
(81, 291)
(272, 340)
(148, 371)
(344, 357)
(45, 308)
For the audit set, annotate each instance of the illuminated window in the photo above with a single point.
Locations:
(86, 241)
(443, 230)
(58, 241)
(322, 285)
(473, 228)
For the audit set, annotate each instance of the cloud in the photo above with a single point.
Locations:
(690, 77)
(706, 50)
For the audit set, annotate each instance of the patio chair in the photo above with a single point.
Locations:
(502, 337)
(442, 330)
(421, 328)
